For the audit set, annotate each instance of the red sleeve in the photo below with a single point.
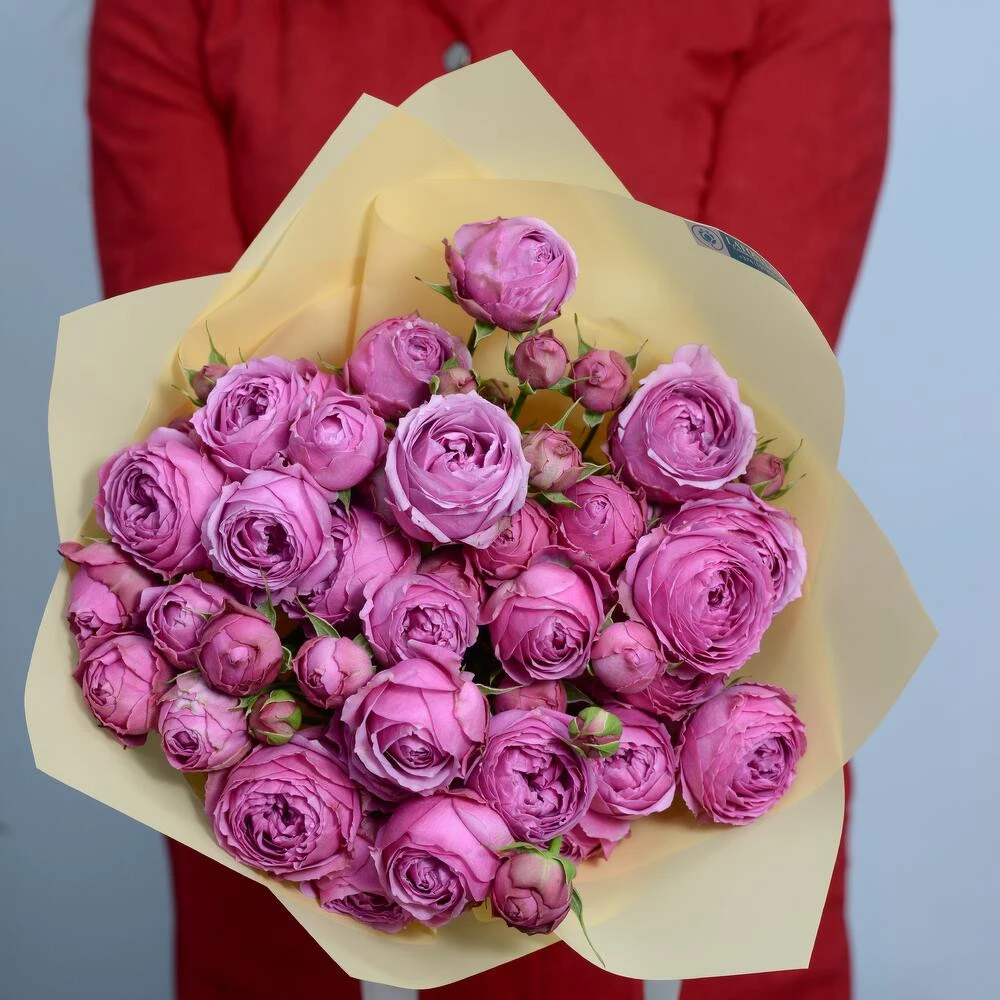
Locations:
(160, 169)
(802, 143)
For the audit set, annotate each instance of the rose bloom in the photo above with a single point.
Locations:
(707, 597)
(639, 779)
(338, 439)
(601, 380)
(240, 652)
(540, 360)
(455, 469)
(737, 512)
(289, 811)
(768, 469)
(417, 615)
(626, 657)
(437, 854)
(739, 752)
(271, 529)
(554, 461)
(415, 727)
(152, 499)
(247, 416)
(122, 678)
(543, 622)
(362, 551)
(394, 361)
(330, 670)
(596, 835)
(105, 593)
(455, 564)
(514, 273)
(685, 431)
(535, 780)
(676, 693)
(359, 894)
(452, 380)
(202, 729)
(176, 616)
(531, 893)
(607, 521)
(521, 536)
(537, 694)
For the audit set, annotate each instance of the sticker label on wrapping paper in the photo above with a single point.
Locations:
(720, 242)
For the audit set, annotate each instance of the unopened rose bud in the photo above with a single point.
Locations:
(456, 379)
(538, 694)
(497, 392)
(531, 892)
(556, 462)
(540, 360)
(203, 381)
(765, 468)
(275, 718)
(596, 728)
(602, 380)
(626, 657)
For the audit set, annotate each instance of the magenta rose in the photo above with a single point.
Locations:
(330, 670)
(122, 678)
(248, 415)
(338, 439)
(534, 779)
(737, 512)
(271, 529)
(416, 615)
(626, 657)
(607, 521)
(684, 431)
(766, 472)
(362, 551)
(202, 729)
(739, 752)
(531, 893)
(639, 779)
(240, 651)
(601, 380)
(675, 693)
(706, 596)
(544, 621)
(537, 694)
(416, 727)
(521, 536)
(513, 273)
(455, 565)
(437, 854)
(359, 894)
(554, 461)
(596, 835)
(540, 360)
(455, 469)
(105, 593)
(176, 616)
(394, 361)
(152, 499)
(290, 811)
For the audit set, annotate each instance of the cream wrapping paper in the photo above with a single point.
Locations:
(677, 900)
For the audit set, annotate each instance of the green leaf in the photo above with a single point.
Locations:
(508, 359)
(591, 469)
(266, 607)
(592, 419)
(633, 359)
(560, 424)
(248, 702)
(573, 693)
(560, 499)
(344, 496)
(444, 290)
(215, 357)
(581, 345)
(480, 332)
(576, 905)
(320, 625)
(564, 383)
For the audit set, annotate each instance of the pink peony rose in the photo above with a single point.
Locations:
(554, 461)
(455, 565)
(537, 694)
(626, 657)
(601, 380)
(531, 893)
(540, 360)
(176, 616)
(330, 670)
(607, 521)
(766, 471)
(275, 718)
(675, 693)
(596, 835)
(521, 536)
(359, 894)
(240, 652)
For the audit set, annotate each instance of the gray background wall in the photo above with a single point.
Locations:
(84, 910)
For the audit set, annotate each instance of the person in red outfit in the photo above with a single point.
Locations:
(766, 118)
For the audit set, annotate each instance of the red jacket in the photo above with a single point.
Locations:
(767, 118)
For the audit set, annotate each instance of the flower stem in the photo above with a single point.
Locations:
(589, 439)
(522, 397)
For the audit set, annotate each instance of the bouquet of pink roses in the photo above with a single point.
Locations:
(454, 631)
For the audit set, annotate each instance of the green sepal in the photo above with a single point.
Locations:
(560, 424)
(480, 331)
(581, 345)
(761, 488)
(215, 356)
(787, 460)
(508, 359)
(576, 905)
(784, 489)
(762, 444)
(362, 641)
(609, 618)
(591, 469)
(633, 359)
(592, 419)
(564, 383)
(344, 496)
(266, 607)
(320, 625)
(247, 702)
(286, 659)
(561, 500)
(487, 690)
(443, 290)
(435, 383)
(187, 395)
(573, 693)
(519, 845)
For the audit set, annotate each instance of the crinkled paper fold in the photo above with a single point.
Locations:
(677, 900)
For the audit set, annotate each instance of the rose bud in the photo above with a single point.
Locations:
(765, 468)
(204, 379)
(240, 651)
(531, 892)
(626, 657)
(202, 729)
(739, 752)
(514, 273)
(494, 391)
(122, 678)
(556, 462)
(274, 718)
(527, 532)
(596, 728)
(607, 520)
(330, 670)
(456, 379)
(602, 380)
(176, 616)
(537, 694)
(455, 565)
(540, 360)
(105, 594)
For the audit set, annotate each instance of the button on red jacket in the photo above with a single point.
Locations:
(767, 118)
